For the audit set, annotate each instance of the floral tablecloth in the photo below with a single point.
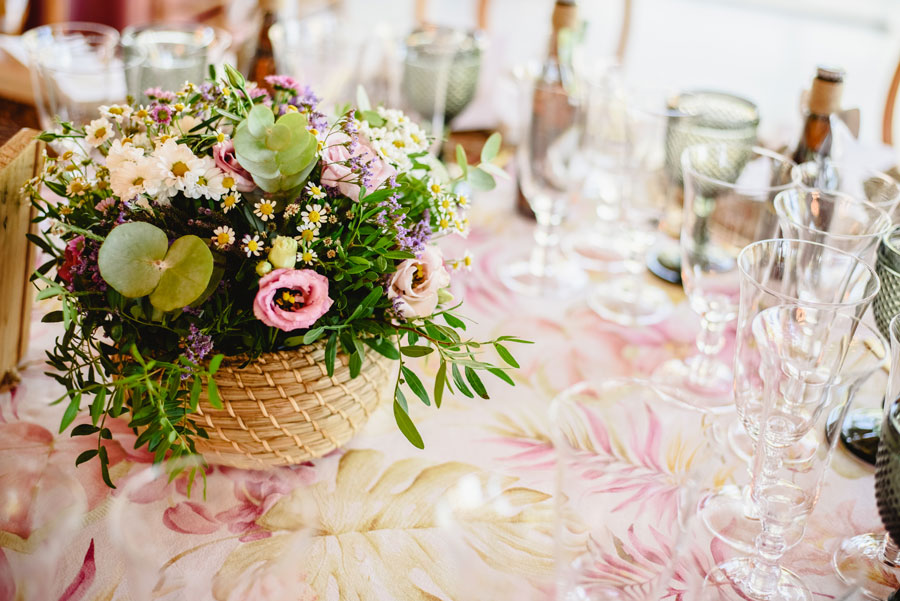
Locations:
(378, 536)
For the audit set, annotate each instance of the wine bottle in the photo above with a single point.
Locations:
(824, 102)
(554, 77)
(263, 61)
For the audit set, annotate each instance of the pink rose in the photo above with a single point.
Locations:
(223, 153)
(416, 283)
(302, 298)
(337, 173)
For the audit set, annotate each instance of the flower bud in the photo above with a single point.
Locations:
(283, 254)
(263, 267)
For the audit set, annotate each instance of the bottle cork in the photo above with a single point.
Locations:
(825, 94)
(565, 15)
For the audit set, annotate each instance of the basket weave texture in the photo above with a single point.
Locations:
(282, 408)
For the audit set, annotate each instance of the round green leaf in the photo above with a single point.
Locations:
(259, 120)
(187, 268)
(131, 256)
(278, 137)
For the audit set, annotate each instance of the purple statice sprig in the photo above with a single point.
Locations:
(197, 345)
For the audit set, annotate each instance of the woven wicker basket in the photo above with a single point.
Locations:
(283, 409)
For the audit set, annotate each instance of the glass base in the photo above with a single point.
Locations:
(561, 279)
(723, 513)
(665, 263)
(856, 562)
(740, 442)
(859, 432)
(629, 303)
(714, 392)
(595, 250)
(729, 582)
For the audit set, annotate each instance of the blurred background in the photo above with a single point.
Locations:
(763, 50)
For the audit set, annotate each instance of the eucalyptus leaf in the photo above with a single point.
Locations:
(491, 147)
(187, 268)
(130, 258)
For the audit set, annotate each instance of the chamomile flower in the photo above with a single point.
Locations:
(76, 187)
(445, 204)
(210, 183)
(117, 112)
(307, 255)
(315, 191)
(308, 232)
(462, 201)
(444, 223)
(223, 236)
(435, 188)
(230, 200)
(132, 178)
(180, 168)
(120, 152)
(264, 209)
(98, 131)
(314, 214)
(291, 210)
(252, 246)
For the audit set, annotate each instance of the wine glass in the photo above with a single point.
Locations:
(626, 449)
(858, 181)
(625, 146)
(776, 272)
(802, 349)
(832, 218)
(728, 192)
(548, 164)
(872, 560)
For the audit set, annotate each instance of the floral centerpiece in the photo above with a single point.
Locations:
(225, 224)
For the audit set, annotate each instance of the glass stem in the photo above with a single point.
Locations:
(889, 553)
(710, 342)
(546, 241)
(771, 545)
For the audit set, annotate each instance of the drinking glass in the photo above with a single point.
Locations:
(832, 218)
(774, 272)
(872, 560)
(858, 181)
(169, 55)
(547, 160)
(631, 462)
(728, 193)
(802, 349)
(887, 264)
(75, 68)
(625, 146)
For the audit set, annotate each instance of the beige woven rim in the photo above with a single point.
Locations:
(283, 409)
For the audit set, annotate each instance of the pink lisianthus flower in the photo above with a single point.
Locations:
(291, 299)
(337, 173)
(414, 286)
(223, 153)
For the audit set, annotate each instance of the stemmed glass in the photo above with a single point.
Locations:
(872, 560)
(625, 145)
(548, 164)
(775, 272)
(728, 192)
(858, 181)
(802, 350)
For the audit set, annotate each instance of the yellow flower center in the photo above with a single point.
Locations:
(266, 208)
(220, 137)
(99, 132)
(314, 131)
(445, 203)
(67, 155)
(253, 245)
(76, 186)
(307, 257)
(179, 106)
(462, 200)
(142, 114)
(307, 235)
(315, 190)
(223, 238)
(228, 182)
(436, 188)
(468, 261)
(116, 110)
(291, 108)
(444, 223)
(415, 138)
(179, 168)
(399, 143)
(138, 181)
(314, 217)
(229, 200)
(202, 181)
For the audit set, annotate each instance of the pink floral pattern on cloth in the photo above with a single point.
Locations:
(376, 535)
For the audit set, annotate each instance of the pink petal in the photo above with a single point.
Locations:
(7, 585)
(83, 579)
(190, 518)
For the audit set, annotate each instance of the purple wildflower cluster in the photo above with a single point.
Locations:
(413, 239)
(88, 268)
(197, 345)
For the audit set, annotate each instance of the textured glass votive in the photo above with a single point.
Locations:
(887, 265)
(169, 55)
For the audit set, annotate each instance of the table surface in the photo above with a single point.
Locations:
(377, 495)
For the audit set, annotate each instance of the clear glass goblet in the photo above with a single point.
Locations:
(802, 350)
(774, 272)
(832, 218)
(871, 561)
(627, 147)
(627, 450)
(858, 181)
(728, 192)
(548, 163)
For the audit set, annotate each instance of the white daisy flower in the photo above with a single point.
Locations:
(122, 151)
(223, 236)
(210, 184)
(435, 188)
(179, 167)
(98, 132)
(444, 204)
(132, 178)
(315, 191)
(76, 187)
(230, 200)
(264, 209)
(462, 201)
(444, 223)
(314, 214)
(308, 232)
(117, 112)
(252, 246)
(307, 255)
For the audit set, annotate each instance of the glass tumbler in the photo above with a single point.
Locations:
(75, 68)
(631, 462)
(728, 192)
(858, 181)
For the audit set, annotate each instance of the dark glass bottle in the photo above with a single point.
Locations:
(263, 61)
(555, 75)
(816, 142)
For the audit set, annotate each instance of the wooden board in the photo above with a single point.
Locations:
(20, 160)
